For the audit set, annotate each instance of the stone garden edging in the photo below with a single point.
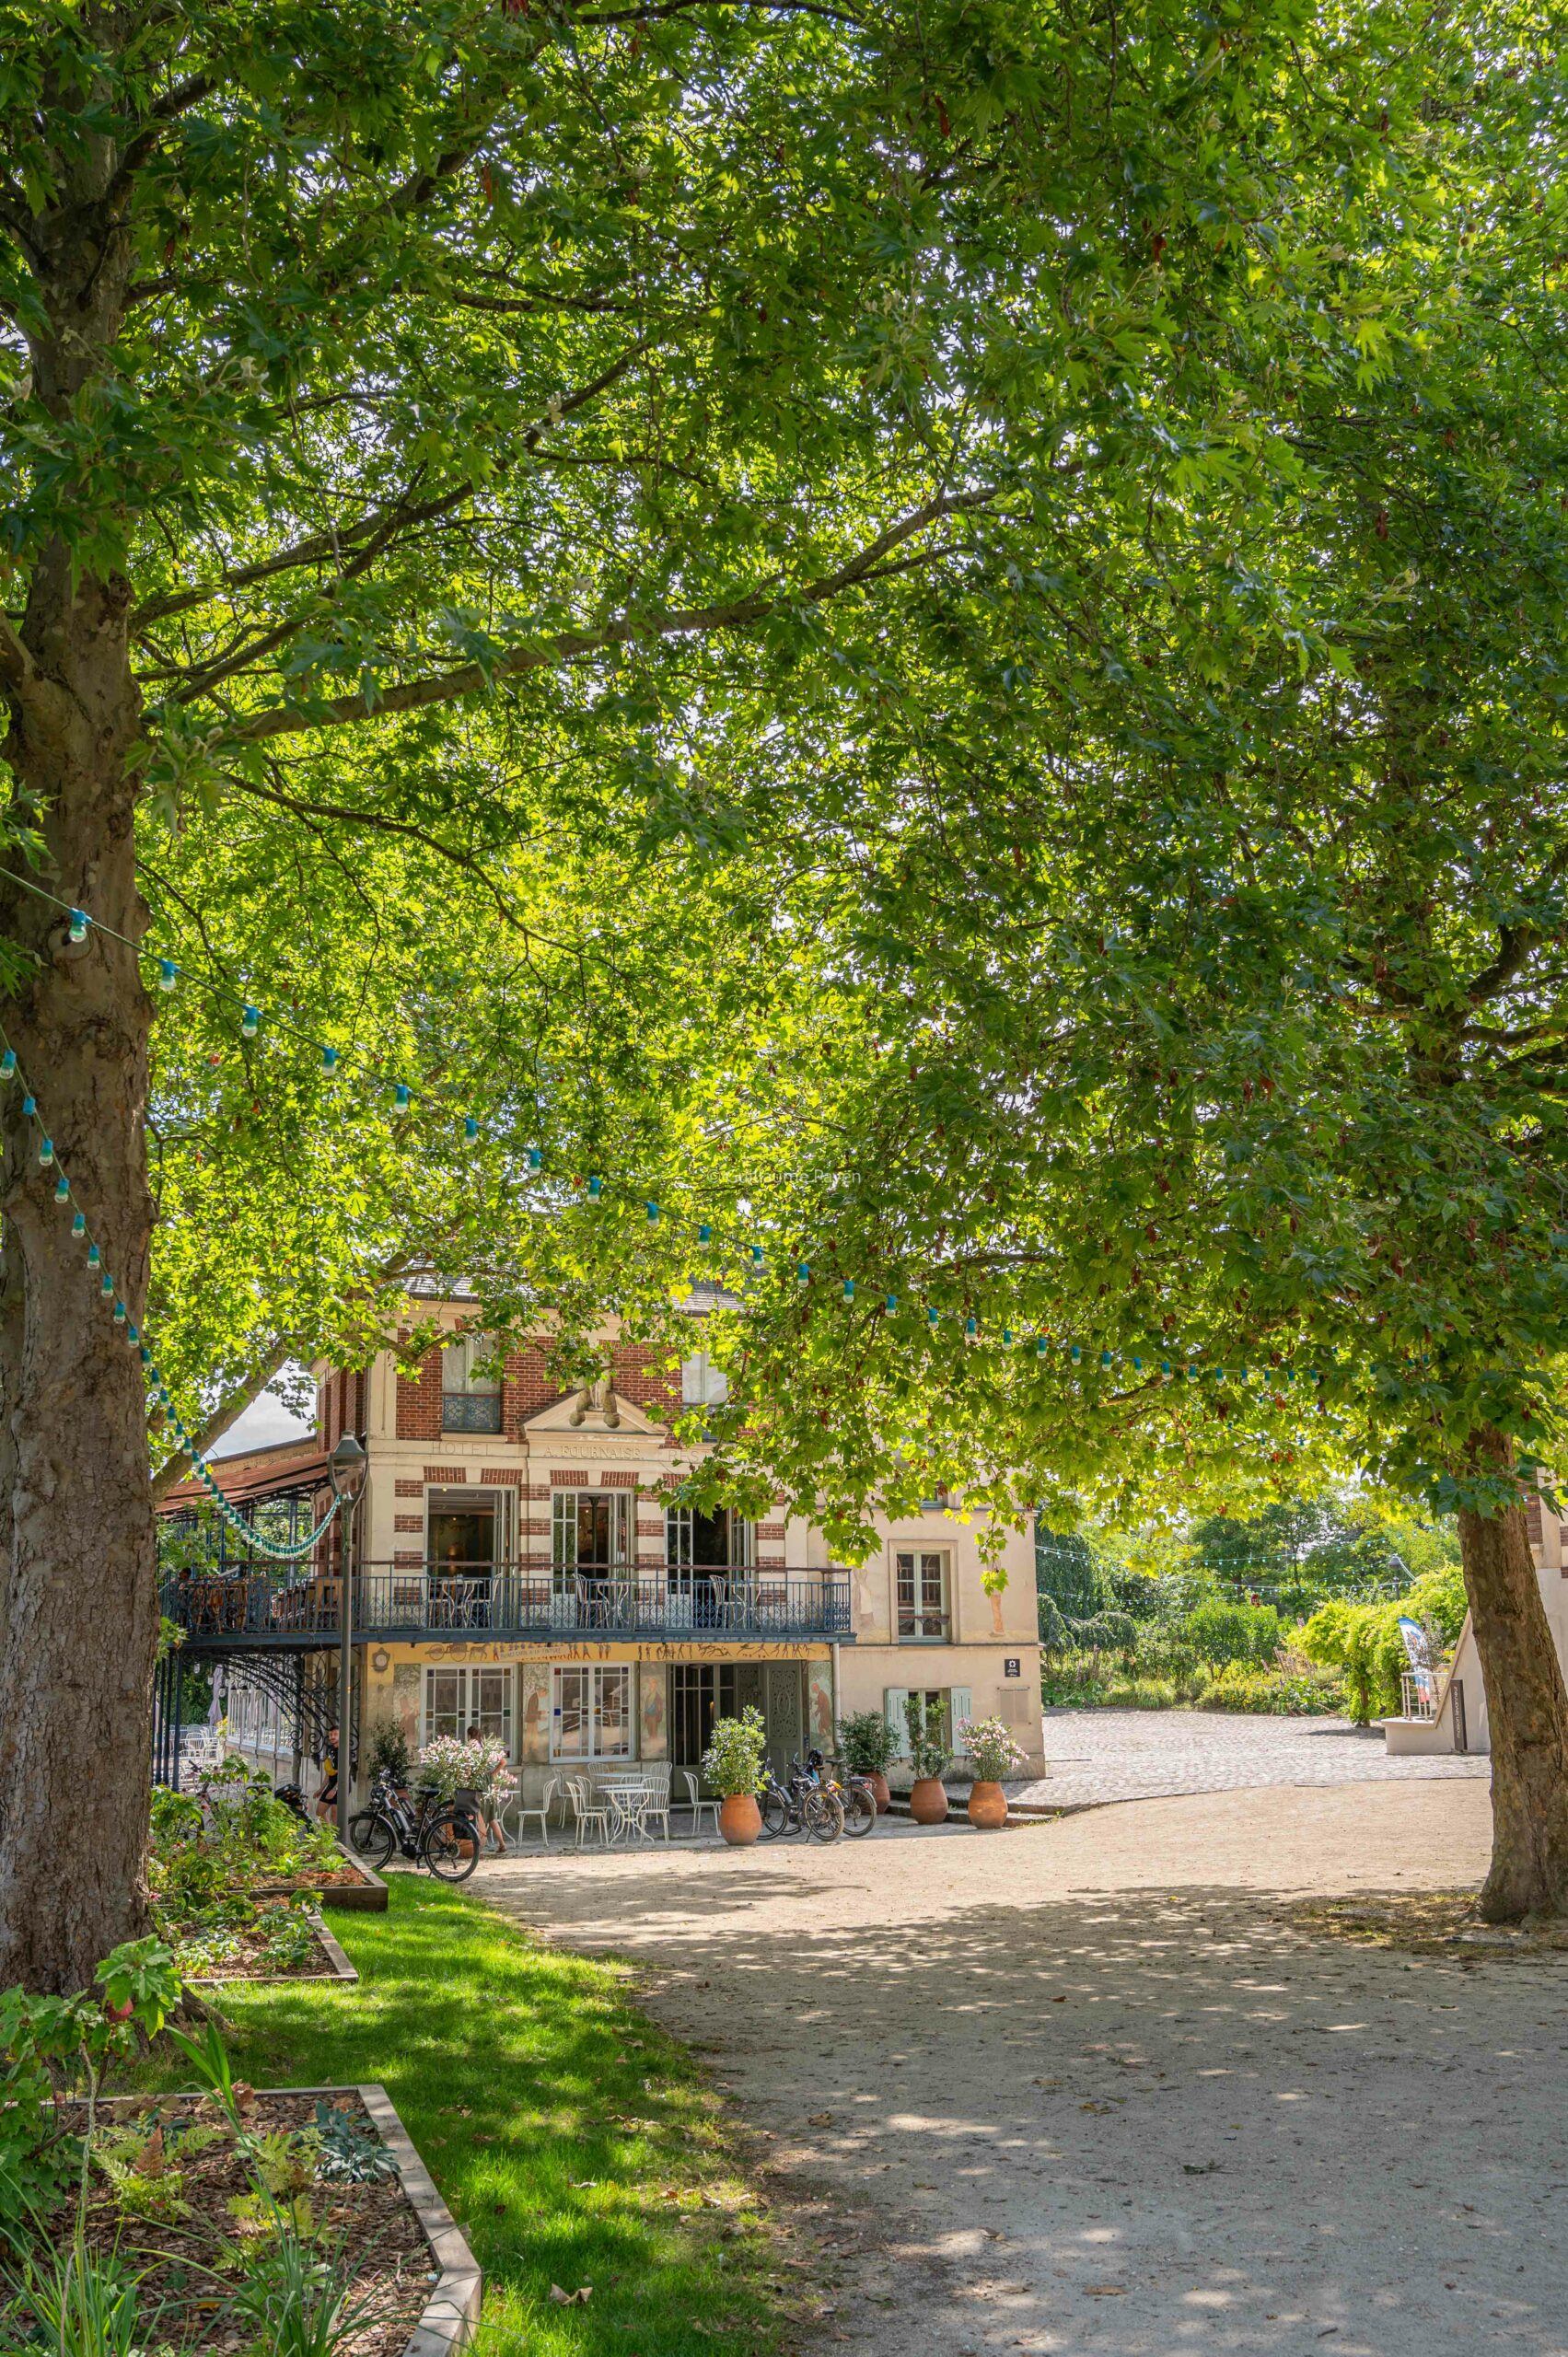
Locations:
(448, 2319)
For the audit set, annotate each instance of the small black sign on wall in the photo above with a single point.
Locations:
(1012, 1665)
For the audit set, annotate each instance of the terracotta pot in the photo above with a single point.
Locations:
(740, 1819)
(988, 1806)
(880, 1792)
(928, 1800)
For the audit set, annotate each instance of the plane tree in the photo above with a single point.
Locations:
(604, 371)
(1222, 948)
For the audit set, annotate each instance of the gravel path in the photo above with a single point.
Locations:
(1085, 2088)
(1148, 1755)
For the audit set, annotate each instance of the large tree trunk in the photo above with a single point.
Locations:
(1528, 1708)
(78, 1613)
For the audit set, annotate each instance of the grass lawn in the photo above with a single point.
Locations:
(574, 2143)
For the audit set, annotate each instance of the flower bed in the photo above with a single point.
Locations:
(223, 2219)
(233, 1874)
(281, 1941)
(168, 2176)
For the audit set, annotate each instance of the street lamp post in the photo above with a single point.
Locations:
(347, 1466)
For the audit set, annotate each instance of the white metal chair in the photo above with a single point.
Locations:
(656, 1808)
(520, 1816)
(696, 1804)
(588, 1809)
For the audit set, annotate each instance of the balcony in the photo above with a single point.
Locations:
(235, 1605)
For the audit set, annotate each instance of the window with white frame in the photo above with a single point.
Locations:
(591, 1531)
(590, 1714)
(921, 1575)
(703, 1384)
(470, 1402)
(477, 1695)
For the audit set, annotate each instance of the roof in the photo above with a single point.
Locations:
(283, 1469)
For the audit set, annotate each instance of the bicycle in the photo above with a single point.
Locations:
(442, 1835)
(859, 1800)
(800, 1806)
(805, 1805)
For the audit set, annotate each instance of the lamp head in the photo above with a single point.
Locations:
(347, 1466)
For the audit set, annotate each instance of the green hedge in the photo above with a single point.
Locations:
(1363, 1639)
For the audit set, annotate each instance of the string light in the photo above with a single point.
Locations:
(168, 973)
(329, 1063)
(9, 1069)
(78, 926)
(249, 1022)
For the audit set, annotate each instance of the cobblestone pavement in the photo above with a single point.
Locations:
(1153, 1754)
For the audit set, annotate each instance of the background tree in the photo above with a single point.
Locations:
(1221, 1071)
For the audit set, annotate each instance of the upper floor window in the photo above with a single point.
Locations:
(703, 1384)
(470, 1402)
(922, 1582)
(591, 1531)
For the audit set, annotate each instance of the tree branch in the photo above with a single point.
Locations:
(173, 1469)
(384, 526)
(471, 678)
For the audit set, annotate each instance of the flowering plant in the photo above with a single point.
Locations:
(454, 1766)
(990, 1751)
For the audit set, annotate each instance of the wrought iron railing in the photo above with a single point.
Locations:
(235, 1605)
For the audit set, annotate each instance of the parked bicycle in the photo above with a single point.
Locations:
(442, 1835)
(804, 1805)
(858, 1799)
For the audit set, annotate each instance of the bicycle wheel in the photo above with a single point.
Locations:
(775, 1813)
(373, 1837)
(445, 1841)
(824, 1816)
(860, 1811)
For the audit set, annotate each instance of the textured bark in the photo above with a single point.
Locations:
(1527, 1707)
(78, 1615)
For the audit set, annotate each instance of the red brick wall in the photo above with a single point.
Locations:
(526, 1388)
(639, 1377)
(642, 1376)
(343, 1405)
(419, 1401)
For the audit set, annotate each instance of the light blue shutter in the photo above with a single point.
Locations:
(960, 1706)
(894, 1702)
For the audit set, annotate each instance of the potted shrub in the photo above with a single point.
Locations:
(733, 1766)
(930, 1760)
(992, 1754)
(868, 1747)
(390, 1753)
